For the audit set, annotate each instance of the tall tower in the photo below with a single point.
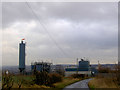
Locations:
(22, 56)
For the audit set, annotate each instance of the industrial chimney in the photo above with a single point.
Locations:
(22, 56)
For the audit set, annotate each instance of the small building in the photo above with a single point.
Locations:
(82, 68)
(41, 66)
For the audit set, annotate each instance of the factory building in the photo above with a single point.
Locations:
(82, 68)
(41, 66)
(22, 56)
(58, 69)
(84, 65)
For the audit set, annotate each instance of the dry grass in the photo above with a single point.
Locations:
(30, 86)
(102, 83)
(28, 79)
(66, 81)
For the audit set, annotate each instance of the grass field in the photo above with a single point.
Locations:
(102, 83)
(66, 81)
(28, 82)
(24, 77)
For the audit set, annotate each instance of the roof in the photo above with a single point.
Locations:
(75, 69)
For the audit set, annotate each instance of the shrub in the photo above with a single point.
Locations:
(104, 70)
(7, 81)
(117, 73)
(20, 81)
(78, 75)
(54, 77)
(60, 72)
(41, 78)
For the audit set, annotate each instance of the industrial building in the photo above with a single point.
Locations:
(82, 68)
(41, 66)
(58, 69)
(22, 56)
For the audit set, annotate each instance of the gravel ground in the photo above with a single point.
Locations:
(78, 85)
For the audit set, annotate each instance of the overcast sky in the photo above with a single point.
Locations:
(73, 30)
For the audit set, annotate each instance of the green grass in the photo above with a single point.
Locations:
(28, 79)
(66, 81)
(92, 87)
(24, 77)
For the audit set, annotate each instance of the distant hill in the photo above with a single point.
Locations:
(14, 69)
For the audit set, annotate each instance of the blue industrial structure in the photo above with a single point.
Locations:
(22, 56)
(41, 66)
(83, 66)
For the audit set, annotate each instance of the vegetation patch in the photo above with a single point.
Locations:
(66, 81)
(102, 83)
(39, 80)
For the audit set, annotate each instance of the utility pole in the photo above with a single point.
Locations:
(98, 65)
(77, 66)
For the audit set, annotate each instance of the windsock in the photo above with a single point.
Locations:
(23, 39)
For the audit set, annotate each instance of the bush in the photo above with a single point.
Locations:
(7, 81)
(78, 75)
(43, 78)
(54, 77)
(104, 70)
(60, 72)
(117, 73)
(20, 81)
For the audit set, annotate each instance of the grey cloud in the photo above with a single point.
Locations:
(81, 29)
(72, 11)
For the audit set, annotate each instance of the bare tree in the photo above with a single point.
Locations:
(7, 81)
